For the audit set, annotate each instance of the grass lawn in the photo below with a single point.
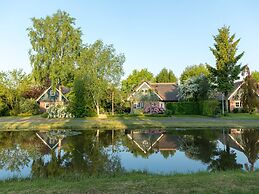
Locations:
(131, 122)
(220, 182)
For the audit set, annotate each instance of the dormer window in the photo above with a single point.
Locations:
(52, 93)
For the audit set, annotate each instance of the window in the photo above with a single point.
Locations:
(52, 93)
(238, 104)
(138, 105)
(46, 105)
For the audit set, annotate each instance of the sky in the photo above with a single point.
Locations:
(152, 34)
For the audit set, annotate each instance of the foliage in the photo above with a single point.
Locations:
(3, 109)
(100, 68)
(193, 71)
(227, 70)
(209, 107)
(188, 108)
(55, 47)
(33, 92)
(58, 112)
(206, 108)
(12, 86)
(225, 161)
(195, 88)
(135, 78)
(29, 106)
(249, 97)
(166, 76)
(255, 75)
(154, 109)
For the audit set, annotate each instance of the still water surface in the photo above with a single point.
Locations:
(61, 152)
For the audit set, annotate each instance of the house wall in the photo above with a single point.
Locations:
(44, 105)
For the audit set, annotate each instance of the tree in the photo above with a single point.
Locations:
(227, 70)
(195, 88)
(55, 47)
(249, 97)
(193, 71)
(12, 85)
(135, 78)
(99, 69)
(166, 76)
(255, 75)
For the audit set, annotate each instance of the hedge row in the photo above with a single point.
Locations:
(206, 108)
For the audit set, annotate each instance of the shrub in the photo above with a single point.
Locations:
(206, 108)
(154, 109)
(29, 106)
(236, 110)
(209, 107)
(3, 109)
(59, 111)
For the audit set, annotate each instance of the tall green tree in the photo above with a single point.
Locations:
(227, 70)
(249, 97)
(166, 76)
(135, 78)
(193, 71)
(55, 45)
(100, 68)
(255, 75)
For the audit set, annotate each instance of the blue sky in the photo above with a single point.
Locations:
(151, 33)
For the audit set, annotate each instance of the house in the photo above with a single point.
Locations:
(153, 94)
(52, 97)
(234, 97)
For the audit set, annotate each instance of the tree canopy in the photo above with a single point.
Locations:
(135, 78)
(100, 68)
(55, 45)
(166, 76)
(249, 97)
(227, 70)
(193, 71)
(255, 75)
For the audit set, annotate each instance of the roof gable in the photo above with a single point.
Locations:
(46, 94)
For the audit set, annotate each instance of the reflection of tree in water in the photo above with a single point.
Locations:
(17, 149)
(82, 154)
(225, 161)
(199, 144)
(14, 158)
(250, 143)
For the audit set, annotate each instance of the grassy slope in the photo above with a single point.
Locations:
(222, 182)
(136, 122)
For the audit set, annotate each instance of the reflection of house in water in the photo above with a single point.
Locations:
(154, 140)
(243, 140)
(50, 140)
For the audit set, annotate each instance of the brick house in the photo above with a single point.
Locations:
(52, 97)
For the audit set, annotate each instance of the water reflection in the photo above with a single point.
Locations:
(61, 152)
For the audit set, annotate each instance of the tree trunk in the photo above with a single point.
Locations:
(97, 109)
(112, 103)
(226, 102)
(222, 103)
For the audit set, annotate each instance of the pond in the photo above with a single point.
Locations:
(96, 152)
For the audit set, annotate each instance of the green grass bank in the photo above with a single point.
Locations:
(219, 182)
(130, 122)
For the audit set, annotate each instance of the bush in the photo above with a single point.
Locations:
(206, 108)
(209, 107)
(236, 110)
(154, 109)
(29, 106)
(59, 111)
(185, 108)
(3, 109)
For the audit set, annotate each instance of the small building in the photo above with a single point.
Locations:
(153, 94)
(52, 97)
(234, 97)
